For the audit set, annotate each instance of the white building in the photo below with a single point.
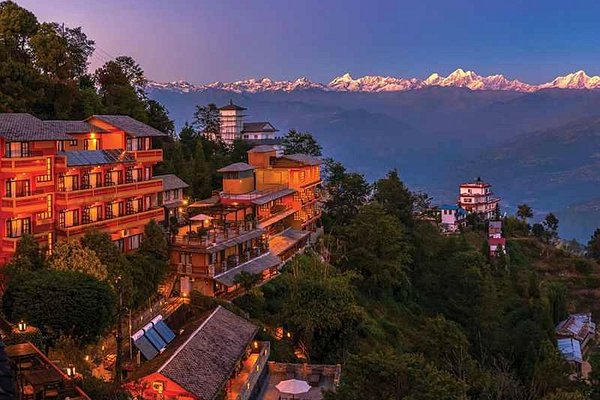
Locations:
(233, 127)
(452, 217)
(477, 197)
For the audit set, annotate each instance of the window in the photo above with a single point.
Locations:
(60, 145)
(91, 214)
(73, 142)
(17, 149)
(134, 175)
(48, 213)
(17, 227)
(90, 180)
(91, 144)
(48, 176)
(133, 242)
(68, 183)
(68, 218)
(185, 258)
(133, 206)
(135, 144)
(114, 209)
(120, 243)
(17, 188)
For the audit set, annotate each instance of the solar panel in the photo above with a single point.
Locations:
(164, 331)
(148, 350)
(155, 338)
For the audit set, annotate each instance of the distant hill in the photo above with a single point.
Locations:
(539, 147)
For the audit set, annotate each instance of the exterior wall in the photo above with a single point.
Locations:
(231, 125)
(261, 160)
(238, 186)
(157, 386)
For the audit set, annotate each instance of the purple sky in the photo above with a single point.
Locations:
(204, 41)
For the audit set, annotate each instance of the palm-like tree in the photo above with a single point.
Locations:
(524, 212)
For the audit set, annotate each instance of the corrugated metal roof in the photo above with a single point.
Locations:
(254, 266)
(570, 349)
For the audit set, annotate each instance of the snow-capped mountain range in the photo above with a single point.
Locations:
(345, 83)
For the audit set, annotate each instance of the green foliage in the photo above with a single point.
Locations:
(98, 389)
(61, 302)
(593, 246)
(72, 256)
(392, 194)
(207, 120)
(28, 256)
(512, 227)
(390, 376)
(154, 243)
(377, 248)
(158, 118)
(347, 192)
(551, 224)
(524, 212)
(247, 280)
(301, 143)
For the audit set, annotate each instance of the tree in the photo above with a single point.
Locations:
(154, 242)
(524, 212)
(134, 74)
(377, 248)
(200, 179)
(394, 196)
(551, 224)
(346, 192)
(391, 376)
(593, 246)
(158, 117)
(61, 302)
(301, 143)
(247, 280)
(207, 121)
(28, 256)
(538, 231)
(71, 256)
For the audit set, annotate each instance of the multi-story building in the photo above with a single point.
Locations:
(267, 210)
(172, 198)
(452, 217)
(232, 126)
(61, 178)
(477, 197)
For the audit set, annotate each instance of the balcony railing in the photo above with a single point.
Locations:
(117, 222)
(109, 193)
(37, 202)
(151, 155)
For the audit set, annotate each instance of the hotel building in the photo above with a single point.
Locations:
(59, 179)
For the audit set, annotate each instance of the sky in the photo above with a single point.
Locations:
(226, 40)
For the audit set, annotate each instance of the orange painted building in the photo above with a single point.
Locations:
(62, 178)
(265, 213)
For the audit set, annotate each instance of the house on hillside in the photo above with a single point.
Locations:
(233, 127)
(172, 197)
(215, 357)
(452, 217)
(477, 197)
(268, 210)
(574, 336)
(496, 242)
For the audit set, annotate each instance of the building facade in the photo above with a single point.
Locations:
(62, 178)
(452, 217)
(477, 197)
(172, 198)
(267, 211)
(233, 127)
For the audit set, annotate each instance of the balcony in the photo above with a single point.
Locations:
(34, 163)
(137, 220)
(108, 193)
(147, 156)
(26, 204)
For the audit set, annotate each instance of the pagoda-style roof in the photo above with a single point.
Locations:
(258, 127)
(237, 167)
(231, 107)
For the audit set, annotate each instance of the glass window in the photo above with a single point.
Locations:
(17, 149)
(17, 227)
(91, 144)
(17, 188)
(67, 218)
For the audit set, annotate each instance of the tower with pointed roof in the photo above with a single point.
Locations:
(231, 121)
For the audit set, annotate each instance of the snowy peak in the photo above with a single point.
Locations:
(372, 83)
(575, 80)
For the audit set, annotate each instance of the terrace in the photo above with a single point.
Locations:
(320, 377)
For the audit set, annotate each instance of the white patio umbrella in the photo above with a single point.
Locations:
(201, 217)
(293, 387)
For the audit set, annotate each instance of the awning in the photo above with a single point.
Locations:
(275, 218)
(286, 240)
(244, 237)
(201, 217)
(273, 196)
(254, 266)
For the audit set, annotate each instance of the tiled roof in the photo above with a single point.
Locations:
(204, 363)
(131, 126)
(270, 196)
(303, 159)
(258, 142)
(264, 148)
(250, 127)
(27, 128)
(96, 157)
(449, 207)
(72, 126)
(171, 182)
(232, 106)
(236, 167)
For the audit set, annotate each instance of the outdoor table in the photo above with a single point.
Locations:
(41, 378)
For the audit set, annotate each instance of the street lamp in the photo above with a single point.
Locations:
(22, 326)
